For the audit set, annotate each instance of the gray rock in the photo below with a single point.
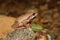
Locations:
(21, 34)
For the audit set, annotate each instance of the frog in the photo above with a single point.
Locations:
(24, 20)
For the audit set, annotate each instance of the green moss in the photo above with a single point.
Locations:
(37, 27)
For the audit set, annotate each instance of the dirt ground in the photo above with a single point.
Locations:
(5, 25)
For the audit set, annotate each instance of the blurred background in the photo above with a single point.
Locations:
(49, 14)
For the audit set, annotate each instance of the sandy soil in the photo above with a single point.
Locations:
(5, 25)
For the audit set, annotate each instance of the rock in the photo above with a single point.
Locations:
(20, 34)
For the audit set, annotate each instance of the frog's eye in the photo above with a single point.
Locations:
(33, 13)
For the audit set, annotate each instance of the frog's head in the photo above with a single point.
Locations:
(32, 13)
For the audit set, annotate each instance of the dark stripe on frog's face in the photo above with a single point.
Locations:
(32, 17)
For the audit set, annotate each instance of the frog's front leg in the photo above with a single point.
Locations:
(26, 24)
